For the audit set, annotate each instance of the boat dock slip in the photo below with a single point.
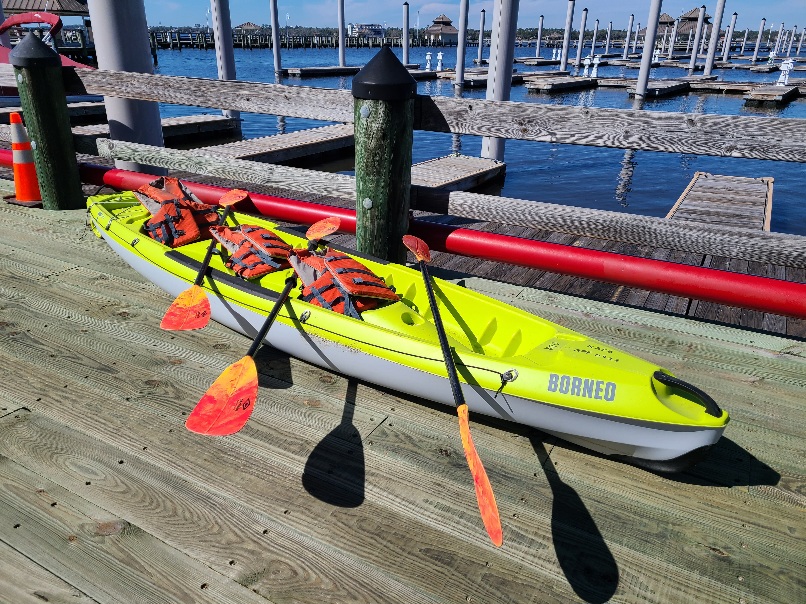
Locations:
(774, 95)
(84, 112)
(322, 72)
(658, 88)
(560, 84)
(456, 172)
(175, 130)
(726, 200)
(105, 497)
(288, 146)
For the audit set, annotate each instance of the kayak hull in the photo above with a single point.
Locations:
(655, 445)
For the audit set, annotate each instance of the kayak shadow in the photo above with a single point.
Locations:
(335, 470)
(727, 464)
(583, 554)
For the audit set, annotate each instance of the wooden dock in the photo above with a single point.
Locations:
(319, 72)
(726, 200)
(278, 148)
(456, 172)
(661, 88)
(560, 84)
(81, 113)
(770, 95)
(183, 129)
(337, 491)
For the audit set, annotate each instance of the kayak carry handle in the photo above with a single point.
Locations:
(711, 407)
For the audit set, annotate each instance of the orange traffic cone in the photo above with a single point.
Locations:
(26, 183)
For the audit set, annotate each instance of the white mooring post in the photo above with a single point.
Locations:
(340, 18)
(791, 40)
(459, 80)
(635, 39)
(581, 41)
(225, 57)
(405, 34)
(129, 120)
(627, 39)
(729, 37)
(674, 39)
(649, 48)
(569, 18)
(502, 55)
(607, 40)
(758, 39)
(539, 37)
(481, 37)
(593, 40)
(275, 39)
(712, 44)
(744, 41)
(595, 70)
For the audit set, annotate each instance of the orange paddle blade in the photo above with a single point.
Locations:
(484, 490)
(228, 403)
(323, 228)
(190, 310)
(232, 197)
(418, 247)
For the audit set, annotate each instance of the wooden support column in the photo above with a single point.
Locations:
(38, 71)
(384, 94)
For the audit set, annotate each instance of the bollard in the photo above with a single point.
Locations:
(384, 93)
(38, 71)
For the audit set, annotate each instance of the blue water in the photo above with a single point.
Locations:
(574, 175)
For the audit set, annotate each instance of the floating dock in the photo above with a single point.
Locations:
(770, 95)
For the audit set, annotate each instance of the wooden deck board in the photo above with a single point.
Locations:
(235, 512)
(181, 128)
(291, 145)
(456, 172)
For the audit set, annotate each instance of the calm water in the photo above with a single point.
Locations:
(569, 174)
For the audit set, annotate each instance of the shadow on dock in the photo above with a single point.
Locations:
(335, 470)
(585, 559)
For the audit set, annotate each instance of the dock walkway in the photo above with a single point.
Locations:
(337, 491)
(182, 129)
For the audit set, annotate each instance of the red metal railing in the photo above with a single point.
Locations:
(722, 287)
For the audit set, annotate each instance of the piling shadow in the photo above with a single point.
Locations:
(584, 557)
(335, 470)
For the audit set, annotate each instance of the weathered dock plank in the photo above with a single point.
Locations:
(288, 146)
(456, 172)
(325, 71)
(40, 585)
(84, 112)
(726, 200)
(549, 85)
(101, 384)
(770, 95)
(104, 556)
(181, 129)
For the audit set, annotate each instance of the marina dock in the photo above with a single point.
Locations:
(341, 491)
(338, 491)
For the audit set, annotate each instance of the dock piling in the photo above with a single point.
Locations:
(384, 93)
(38, 72)
(569, 18)
(758, 40)
(627, 39)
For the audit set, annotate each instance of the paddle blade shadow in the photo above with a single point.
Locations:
(335, 470)
(584, 557)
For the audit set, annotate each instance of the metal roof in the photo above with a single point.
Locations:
(63, 8)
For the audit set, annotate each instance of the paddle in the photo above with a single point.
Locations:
(191, 308)
(226, 406)
(484, 490)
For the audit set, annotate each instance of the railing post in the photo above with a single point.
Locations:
(38, 71)
(384, 94)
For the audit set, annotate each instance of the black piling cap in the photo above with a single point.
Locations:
(33, 52)
(384, 79)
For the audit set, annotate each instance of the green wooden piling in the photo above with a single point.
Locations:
(38, 71)
(384, 94)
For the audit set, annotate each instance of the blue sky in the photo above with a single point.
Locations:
(322, 13)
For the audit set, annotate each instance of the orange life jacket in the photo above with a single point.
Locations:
(254, 251)
(343, 284)
(178, 216)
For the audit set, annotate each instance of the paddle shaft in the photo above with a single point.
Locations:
(458, 397)
(209, 255)
(289, 284)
